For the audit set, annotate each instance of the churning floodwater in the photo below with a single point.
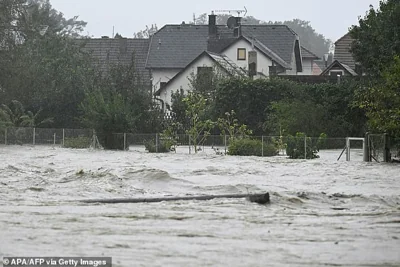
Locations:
(323, 212)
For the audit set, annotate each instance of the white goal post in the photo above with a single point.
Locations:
(348, 140)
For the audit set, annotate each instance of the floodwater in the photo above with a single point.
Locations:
(323, 212)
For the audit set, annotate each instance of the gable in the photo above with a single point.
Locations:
(336, 65)
(342, 51)
(204, 59)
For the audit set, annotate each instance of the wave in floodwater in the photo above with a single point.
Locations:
(323, 212)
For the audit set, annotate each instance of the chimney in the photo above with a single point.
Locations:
(212, 25)
(237, 31)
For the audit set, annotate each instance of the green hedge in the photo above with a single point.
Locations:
(251, 147)
(163, 146)
(77, 142)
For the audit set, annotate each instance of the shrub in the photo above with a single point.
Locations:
(250, 147)
(77, 142)
(164, 146)
(295, 147)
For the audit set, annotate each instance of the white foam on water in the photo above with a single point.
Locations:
(322, 211)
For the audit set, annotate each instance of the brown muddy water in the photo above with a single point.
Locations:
(323, 212)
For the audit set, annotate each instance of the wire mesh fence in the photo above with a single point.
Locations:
(264, 146)
(46, 136)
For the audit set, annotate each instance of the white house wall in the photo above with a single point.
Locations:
(162, 75)
(263, 62)
(293, 71)
(307, 67)
(182, 82)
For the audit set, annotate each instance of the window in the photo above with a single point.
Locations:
(162, 84)
(241, 54)
(336, 73)
(205, 74)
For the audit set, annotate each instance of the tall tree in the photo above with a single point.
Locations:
(382, 101)
(377, 37)
(41, 65)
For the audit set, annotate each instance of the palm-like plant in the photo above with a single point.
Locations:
(14, 115)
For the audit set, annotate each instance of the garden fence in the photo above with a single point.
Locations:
(182, 143)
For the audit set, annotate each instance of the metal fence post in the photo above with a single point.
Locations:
(94, 139)
(190, 148)
(124, 141)
(386, 148)
(305, 146)
(262, 146)
(5, 136)
(156, 142)
(34, 136)
(347, 149)
(63, 137)
(225, 143)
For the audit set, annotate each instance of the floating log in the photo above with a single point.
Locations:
(256, 198)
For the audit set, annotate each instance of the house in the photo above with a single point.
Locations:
(261, 50)
(175, 52)
(344, 63)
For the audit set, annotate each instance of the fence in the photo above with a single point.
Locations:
(41, 136)
(212, 144)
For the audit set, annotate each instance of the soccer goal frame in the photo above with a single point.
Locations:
(348, 142)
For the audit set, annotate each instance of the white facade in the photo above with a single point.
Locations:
(182, 81)
(263, 62)
(307, 67)
(162, 75)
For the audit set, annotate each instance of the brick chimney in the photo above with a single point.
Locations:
(212, 25)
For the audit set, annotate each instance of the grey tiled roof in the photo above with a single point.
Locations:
(272, 55)
(109, 51)
(175, 46)
(305, 53)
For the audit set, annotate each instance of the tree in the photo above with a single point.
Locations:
(146, 33)
(119, 103)
(229, 125)
(382, 101)
(200, 126)
(377, 37)
(42, 66)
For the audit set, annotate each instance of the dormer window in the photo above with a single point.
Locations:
(241, 54)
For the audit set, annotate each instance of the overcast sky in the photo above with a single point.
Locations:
(331, 18)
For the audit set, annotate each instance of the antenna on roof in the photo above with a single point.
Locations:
(238, 11)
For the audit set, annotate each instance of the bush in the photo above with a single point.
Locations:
(250, 147)
(164, 146)
(77, 142)
(295, 147)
